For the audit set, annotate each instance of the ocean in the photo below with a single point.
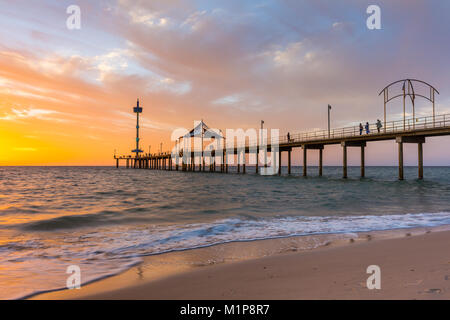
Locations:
(105, 219)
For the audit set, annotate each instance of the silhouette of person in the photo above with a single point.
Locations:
(360, 128)
(288, 137)
(379, 125)
(367, 128)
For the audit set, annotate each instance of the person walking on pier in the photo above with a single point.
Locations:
(288, 137)
(367, 128)
(360, 128)
(379, 125)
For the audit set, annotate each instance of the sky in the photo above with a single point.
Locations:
(66, 96)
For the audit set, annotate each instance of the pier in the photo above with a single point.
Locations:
(407, 130)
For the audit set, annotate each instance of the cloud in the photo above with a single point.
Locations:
(228, 100)
(193, 22)
(28, 113)
(295, 53)
(147, 18)
(127, 118)
(114, 61)
(231, 63)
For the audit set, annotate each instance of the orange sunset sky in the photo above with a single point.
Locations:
(66, 96)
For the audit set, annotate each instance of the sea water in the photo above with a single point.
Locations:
(104, 219)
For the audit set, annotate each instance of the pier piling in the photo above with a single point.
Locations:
(344, 160)
(305, 172)
(363, 165)
(400, 160)
(279, 162)
(289, 161)
(257, 161)
(420, 140)
(420, 153)
(320, 162)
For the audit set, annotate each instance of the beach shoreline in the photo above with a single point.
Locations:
(414, 263)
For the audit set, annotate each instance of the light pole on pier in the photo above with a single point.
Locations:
(329, 109)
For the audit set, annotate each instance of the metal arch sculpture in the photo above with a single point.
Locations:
(408, 90)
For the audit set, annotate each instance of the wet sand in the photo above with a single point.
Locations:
(414, 263)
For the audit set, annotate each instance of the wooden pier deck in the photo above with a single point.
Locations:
(402, 131)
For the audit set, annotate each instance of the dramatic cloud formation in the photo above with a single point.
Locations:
(66, 95)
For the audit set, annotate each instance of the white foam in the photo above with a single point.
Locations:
(179, 237)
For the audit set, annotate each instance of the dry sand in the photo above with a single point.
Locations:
(415, 264)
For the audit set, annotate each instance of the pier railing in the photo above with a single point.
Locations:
(398, 126)
(413, 130)
(391, 127)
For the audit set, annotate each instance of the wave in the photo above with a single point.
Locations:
(194, 235)
(104, 252)
(73, 221)
(148, 240)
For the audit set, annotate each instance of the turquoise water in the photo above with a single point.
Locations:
(105, 219)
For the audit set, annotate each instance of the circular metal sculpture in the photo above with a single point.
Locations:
(408, 90)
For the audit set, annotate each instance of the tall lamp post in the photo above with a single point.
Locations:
(329, 109)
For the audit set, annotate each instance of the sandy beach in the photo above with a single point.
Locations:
(414, 264)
